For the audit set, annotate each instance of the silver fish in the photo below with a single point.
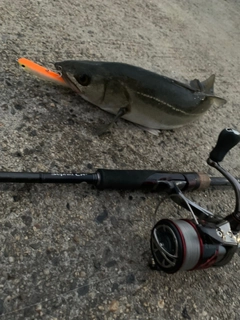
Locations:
(138, 95)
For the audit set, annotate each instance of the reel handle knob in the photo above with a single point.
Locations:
(228, 138)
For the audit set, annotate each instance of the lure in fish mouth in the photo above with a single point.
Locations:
(40, 71)
(143, 97)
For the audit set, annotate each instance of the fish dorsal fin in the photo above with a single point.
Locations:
(183, 85)
(208, 84)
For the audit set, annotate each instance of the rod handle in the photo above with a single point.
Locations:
(139, 179)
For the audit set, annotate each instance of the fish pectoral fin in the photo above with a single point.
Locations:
(121, 112)
(208, 84)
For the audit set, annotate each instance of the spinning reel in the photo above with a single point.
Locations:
(204, 241)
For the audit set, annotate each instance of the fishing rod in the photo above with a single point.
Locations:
(201, 242)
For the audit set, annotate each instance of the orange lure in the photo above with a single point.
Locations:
(41, 72)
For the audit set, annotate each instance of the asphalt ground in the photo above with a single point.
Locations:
(70, 251)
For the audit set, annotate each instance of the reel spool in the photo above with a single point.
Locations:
(179, 245)
(175, 245)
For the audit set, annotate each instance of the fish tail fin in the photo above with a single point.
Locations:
(217, 101)
(208, 84)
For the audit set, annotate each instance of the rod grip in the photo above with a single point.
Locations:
(144, 179)
(124, 179)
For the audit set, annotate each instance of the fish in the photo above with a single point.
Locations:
(146, 98)
(41, 72)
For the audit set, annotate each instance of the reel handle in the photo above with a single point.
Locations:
(228, 138)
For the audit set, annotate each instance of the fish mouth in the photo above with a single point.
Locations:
(68, 78)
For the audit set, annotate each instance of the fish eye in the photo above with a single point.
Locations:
(84, 79)
(23, 65)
